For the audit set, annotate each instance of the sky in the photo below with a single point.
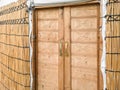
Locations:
(5, 2)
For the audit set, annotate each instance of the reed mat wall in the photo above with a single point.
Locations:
(113, 45)
(14, 47)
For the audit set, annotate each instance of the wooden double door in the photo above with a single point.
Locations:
(67, 48)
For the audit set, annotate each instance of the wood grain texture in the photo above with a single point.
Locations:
(84, 23)
(49, 70)
(76, 27)
(84, 11)
(84, 26)
(67, 50)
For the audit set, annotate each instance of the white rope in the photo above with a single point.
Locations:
(30, 43)
(103, 60)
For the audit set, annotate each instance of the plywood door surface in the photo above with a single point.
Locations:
(76, 29)
(50, 33)
(84, 56)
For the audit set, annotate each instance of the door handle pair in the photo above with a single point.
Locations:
(61, 47)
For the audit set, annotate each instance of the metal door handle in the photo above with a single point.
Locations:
(61, 48)
(66, 49)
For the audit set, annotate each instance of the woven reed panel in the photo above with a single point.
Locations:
(113, 45)
(14, 47)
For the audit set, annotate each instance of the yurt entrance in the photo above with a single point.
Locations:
(68, 47)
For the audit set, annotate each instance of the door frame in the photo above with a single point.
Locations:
(67, 39)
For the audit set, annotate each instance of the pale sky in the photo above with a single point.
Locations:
(6, 2)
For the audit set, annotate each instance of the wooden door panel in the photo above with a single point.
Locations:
(83, 84)
(84, 11)
(48, 36)
(83, 49)
(83, 23)
(49, 33)
(48, 24)
(81, 61)
(84, 56)
(48, 14)
(48, 48)
(48, 58)
(84, 36)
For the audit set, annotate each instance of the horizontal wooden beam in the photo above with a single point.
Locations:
(51, 5)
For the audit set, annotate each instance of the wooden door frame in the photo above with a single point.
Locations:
(99, 43)
(35, 48)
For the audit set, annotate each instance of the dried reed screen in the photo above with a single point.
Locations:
(113, 45)
(14, 47)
